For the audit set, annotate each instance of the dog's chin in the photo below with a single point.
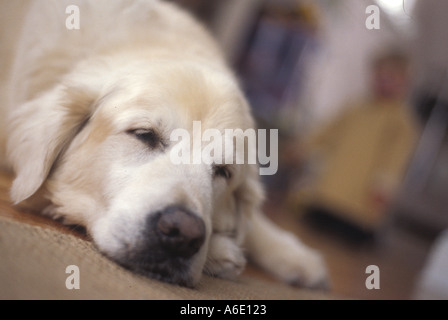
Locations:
(173, 270)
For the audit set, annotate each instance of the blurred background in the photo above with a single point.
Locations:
(359, 93)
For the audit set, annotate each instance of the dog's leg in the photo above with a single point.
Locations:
(283, 255)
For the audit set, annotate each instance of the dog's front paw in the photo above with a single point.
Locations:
(225, 258)
(309, 272)
(301, 266)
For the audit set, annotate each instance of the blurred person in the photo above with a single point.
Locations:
(356, 162)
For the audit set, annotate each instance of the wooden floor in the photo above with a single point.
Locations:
(399, 254)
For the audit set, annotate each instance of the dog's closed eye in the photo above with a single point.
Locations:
(148, 136)
(222, 171)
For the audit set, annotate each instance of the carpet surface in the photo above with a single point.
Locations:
(33, 262)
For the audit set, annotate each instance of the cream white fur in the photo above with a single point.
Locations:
(75, 94)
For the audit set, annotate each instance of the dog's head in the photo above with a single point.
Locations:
(98, 146)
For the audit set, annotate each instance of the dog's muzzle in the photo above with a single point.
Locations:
(166, 246)
(179, 232)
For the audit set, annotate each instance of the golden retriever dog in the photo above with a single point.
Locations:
(88, 107)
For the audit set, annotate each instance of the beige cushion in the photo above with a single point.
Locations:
(33, 261)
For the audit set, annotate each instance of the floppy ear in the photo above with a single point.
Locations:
(39, 131)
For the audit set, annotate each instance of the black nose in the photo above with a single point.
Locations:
(180, 232)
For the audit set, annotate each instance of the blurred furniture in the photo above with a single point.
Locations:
(423, 197)
(230, 21)
(433, 282)
(272, 64)
(357, 161)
